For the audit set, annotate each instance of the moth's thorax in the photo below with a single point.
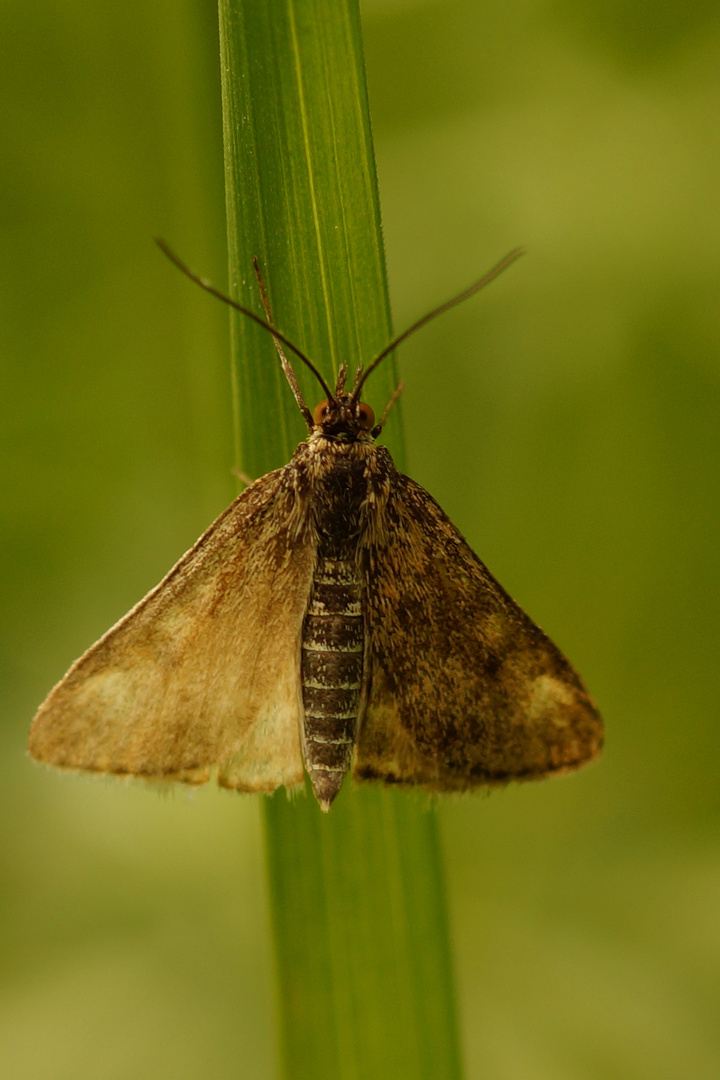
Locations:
(330, 447)
(343, 485)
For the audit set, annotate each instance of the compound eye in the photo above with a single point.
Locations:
(321, 412)
(365, 416)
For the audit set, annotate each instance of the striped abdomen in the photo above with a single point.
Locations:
(332, 674)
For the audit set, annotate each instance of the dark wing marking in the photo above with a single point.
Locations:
(464, 689)
(204, 671)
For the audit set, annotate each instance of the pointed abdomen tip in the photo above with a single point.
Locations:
(325, 785)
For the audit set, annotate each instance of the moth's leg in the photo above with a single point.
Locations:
(243, 477)
(289, 373)
(381, 424)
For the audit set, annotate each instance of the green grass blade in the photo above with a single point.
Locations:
(301, 197)
(357, 899)
(361, 938)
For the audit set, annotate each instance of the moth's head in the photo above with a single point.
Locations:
(343, 418)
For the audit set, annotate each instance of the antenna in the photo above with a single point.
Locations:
(362, 376)
(490, 276)
(243, 310)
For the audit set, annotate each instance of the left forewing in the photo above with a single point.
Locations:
(204, 671)
(464, 688)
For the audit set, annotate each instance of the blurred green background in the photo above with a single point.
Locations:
(567, 420)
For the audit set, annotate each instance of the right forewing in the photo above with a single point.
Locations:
(465, 689)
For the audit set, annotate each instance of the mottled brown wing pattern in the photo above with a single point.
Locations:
(204, 671)
(464, 689)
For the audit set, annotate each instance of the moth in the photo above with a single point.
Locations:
(331, 621)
